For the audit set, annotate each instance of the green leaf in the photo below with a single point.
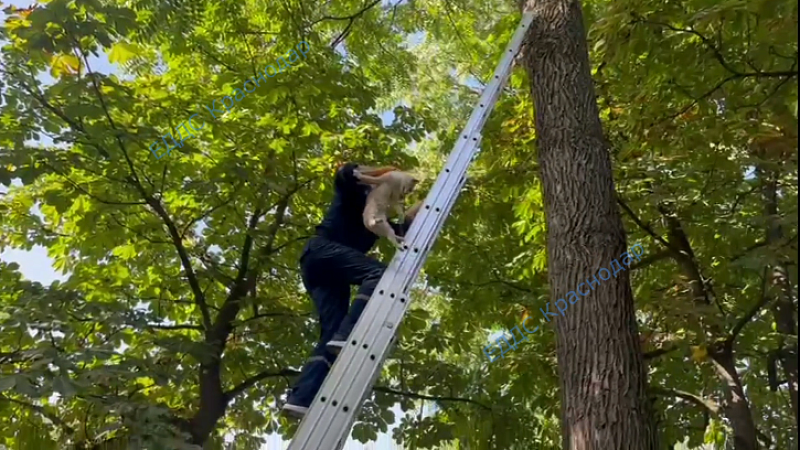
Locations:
(63, 385)
(7, 383)
(64, 64)
(122, 52)
(125, 251)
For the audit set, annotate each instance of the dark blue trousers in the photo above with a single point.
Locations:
(328, 270)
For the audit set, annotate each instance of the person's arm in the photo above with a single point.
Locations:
(402, 228)
(412, 213)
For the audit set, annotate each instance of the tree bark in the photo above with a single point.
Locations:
(736, 406)
(780, 290)
(213, 399)
(601, 367)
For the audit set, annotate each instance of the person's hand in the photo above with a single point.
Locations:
(412, 212)
(399, 241)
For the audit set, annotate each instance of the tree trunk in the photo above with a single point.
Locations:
(601, 367)
(779, 288)
(736, 406)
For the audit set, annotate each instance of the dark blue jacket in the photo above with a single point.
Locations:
(344, 223)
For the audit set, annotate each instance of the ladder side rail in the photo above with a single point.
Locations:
(408, 280)
(374, 321)
(403, 271)
(417, 262)
(382, 339)
(405, 292)
(394, 269)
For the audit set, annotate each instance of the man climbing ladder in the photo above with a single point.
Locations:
(331, 262)
(327, 424)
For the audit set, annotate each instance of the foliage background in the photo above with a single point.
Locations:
(189, 262)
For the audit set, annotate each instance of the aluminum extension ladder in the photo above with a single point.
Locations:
(327, 424)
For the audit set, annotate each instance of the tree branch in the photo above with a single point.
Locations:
(150, 200)
(199, 297)
(651, 259)
(250, 382)
(735, 74)
(74, 125)
(760, 244)
(705, 403)
(213, 400)
(217, 60)
(175, 327)
(89, 194)
(230, 309)
(718, 54)
(744, 320)
(660, 352)
(642, 225)
(41, 410)
(351, 19)
(429, 397)
(92, 75)
(211, 210)
(274, 314)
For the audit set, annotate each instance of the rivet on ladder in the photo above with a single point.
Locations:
(345, 409)
(334, 403)
(391, 295)
(354, 342)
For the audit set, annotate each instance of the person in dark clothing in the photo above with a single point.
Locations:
(330, 263)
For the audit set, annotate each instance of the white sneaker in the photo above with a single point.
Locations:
(335, 346)
(295, 410)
